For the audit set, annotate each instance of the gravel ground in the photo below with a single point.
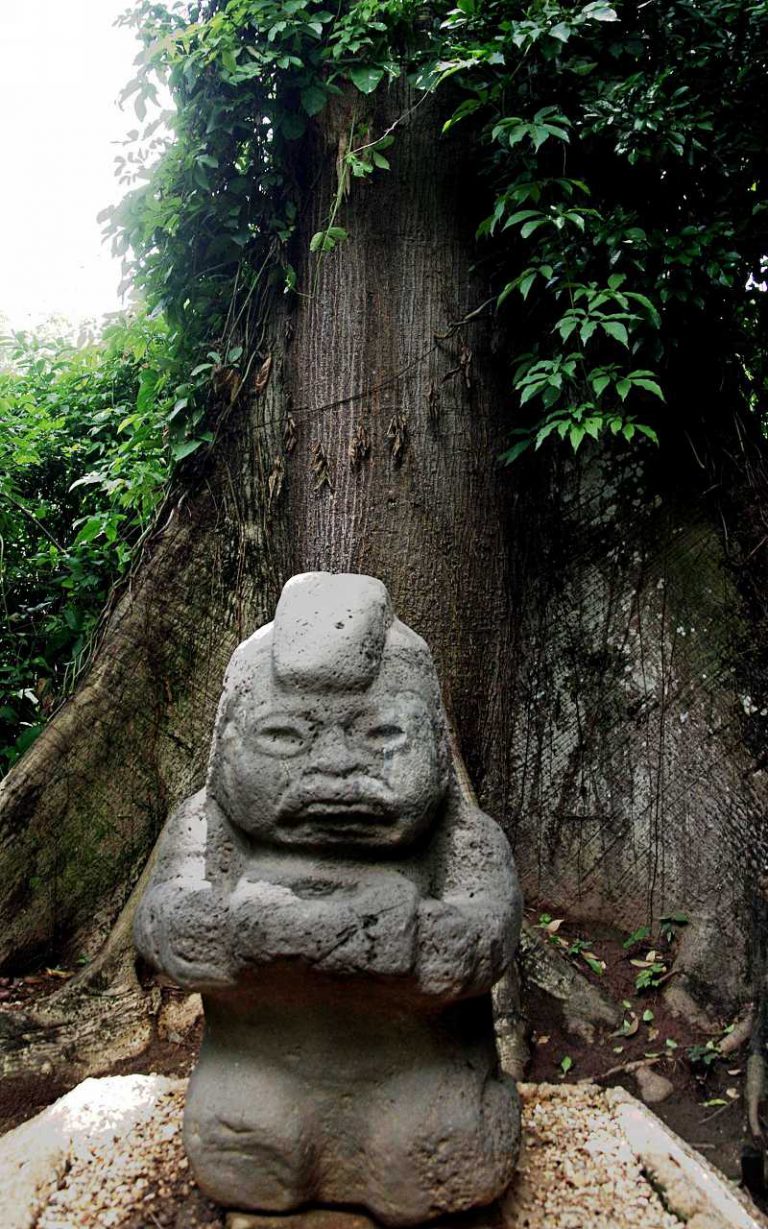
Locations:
(139, 1181)
(577, 1171)
(577, 1168)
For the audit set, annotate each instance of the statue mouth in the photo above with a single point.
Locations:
(346, 803)
(350, 812)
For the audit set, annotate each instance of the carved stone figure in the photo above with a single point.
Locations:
(344, 913)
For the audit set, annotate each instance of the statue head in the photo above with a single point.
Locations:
(331, 732)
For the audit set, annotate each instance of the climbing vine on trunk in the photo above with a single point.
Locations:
(621, 191)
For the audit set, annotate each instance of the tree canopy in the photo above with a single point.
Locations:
(621, 196)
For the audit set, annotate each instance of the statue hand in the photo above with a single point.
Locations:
(461, 948)
(365, 925)
(180, 929)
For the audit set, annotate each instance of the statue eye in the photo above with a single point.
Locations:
(386, 734)
(281, 738)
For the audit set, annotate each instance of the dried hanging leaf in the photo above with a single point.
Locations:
(276, 478)
(359, 447)
(290, 434)
(433, 403)
(261, 379)
(465, 363)
(553, 926)
(227, 380)
(397, 434)
(319, 465)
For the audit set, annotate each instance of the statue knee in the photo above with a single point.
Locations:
(251, 1139)
(432, 1149)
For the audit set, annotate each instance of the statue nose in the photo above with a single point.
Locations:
(334, 754)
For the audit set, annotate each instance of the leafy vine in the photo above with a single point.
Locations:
(622, 203)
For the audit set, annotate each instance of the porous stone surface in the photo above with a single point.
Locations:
(345, 912)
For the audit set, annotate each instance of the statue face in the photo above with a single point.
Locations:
(351, 772)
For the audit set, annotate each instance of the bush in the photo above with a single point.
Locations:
(85, 453)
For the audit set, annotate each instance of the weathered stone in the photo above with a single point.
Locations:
(653, 1088)
(344, 912)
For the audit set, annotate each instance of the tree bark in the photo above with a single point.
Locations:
(583, 617)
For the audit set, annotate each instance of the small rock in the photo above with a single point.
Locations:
(653, 1088)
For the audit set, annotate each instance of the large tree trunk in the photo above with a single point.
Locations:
(379, 344)
(582, 628)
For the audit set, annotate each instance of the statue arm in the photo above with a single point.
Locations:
(364, 922)
(180, 924)
(468, 934)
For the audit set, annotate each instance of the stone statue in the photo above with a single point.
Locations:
(345, 913)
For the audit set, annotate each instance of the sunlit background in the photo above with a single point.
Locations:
(62, 66)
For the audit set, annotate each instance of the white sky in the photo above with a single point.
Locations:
(62, 66)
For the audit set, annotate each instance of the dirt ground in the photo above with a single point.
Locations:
(706, 1106)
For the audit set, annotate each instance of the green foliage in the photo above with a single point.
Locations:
(85, 453)
(704, 1055)
(625, 145)
(621, 195)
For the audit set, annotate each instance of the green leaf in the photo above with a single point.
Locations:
(28, 736)
(637, 936)
(468, 107)
(576, 435)
(586, 330)
(313, 99)
(526, 281)
(614, 328)
(93, 528)
(366, 77)
(599, 11)
(530, 227)
(561, 31)
(506, 292)
(515, 451)
(650, 385)
(183, 448)
(87, 480)
(543, 432)
(566, 1064)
